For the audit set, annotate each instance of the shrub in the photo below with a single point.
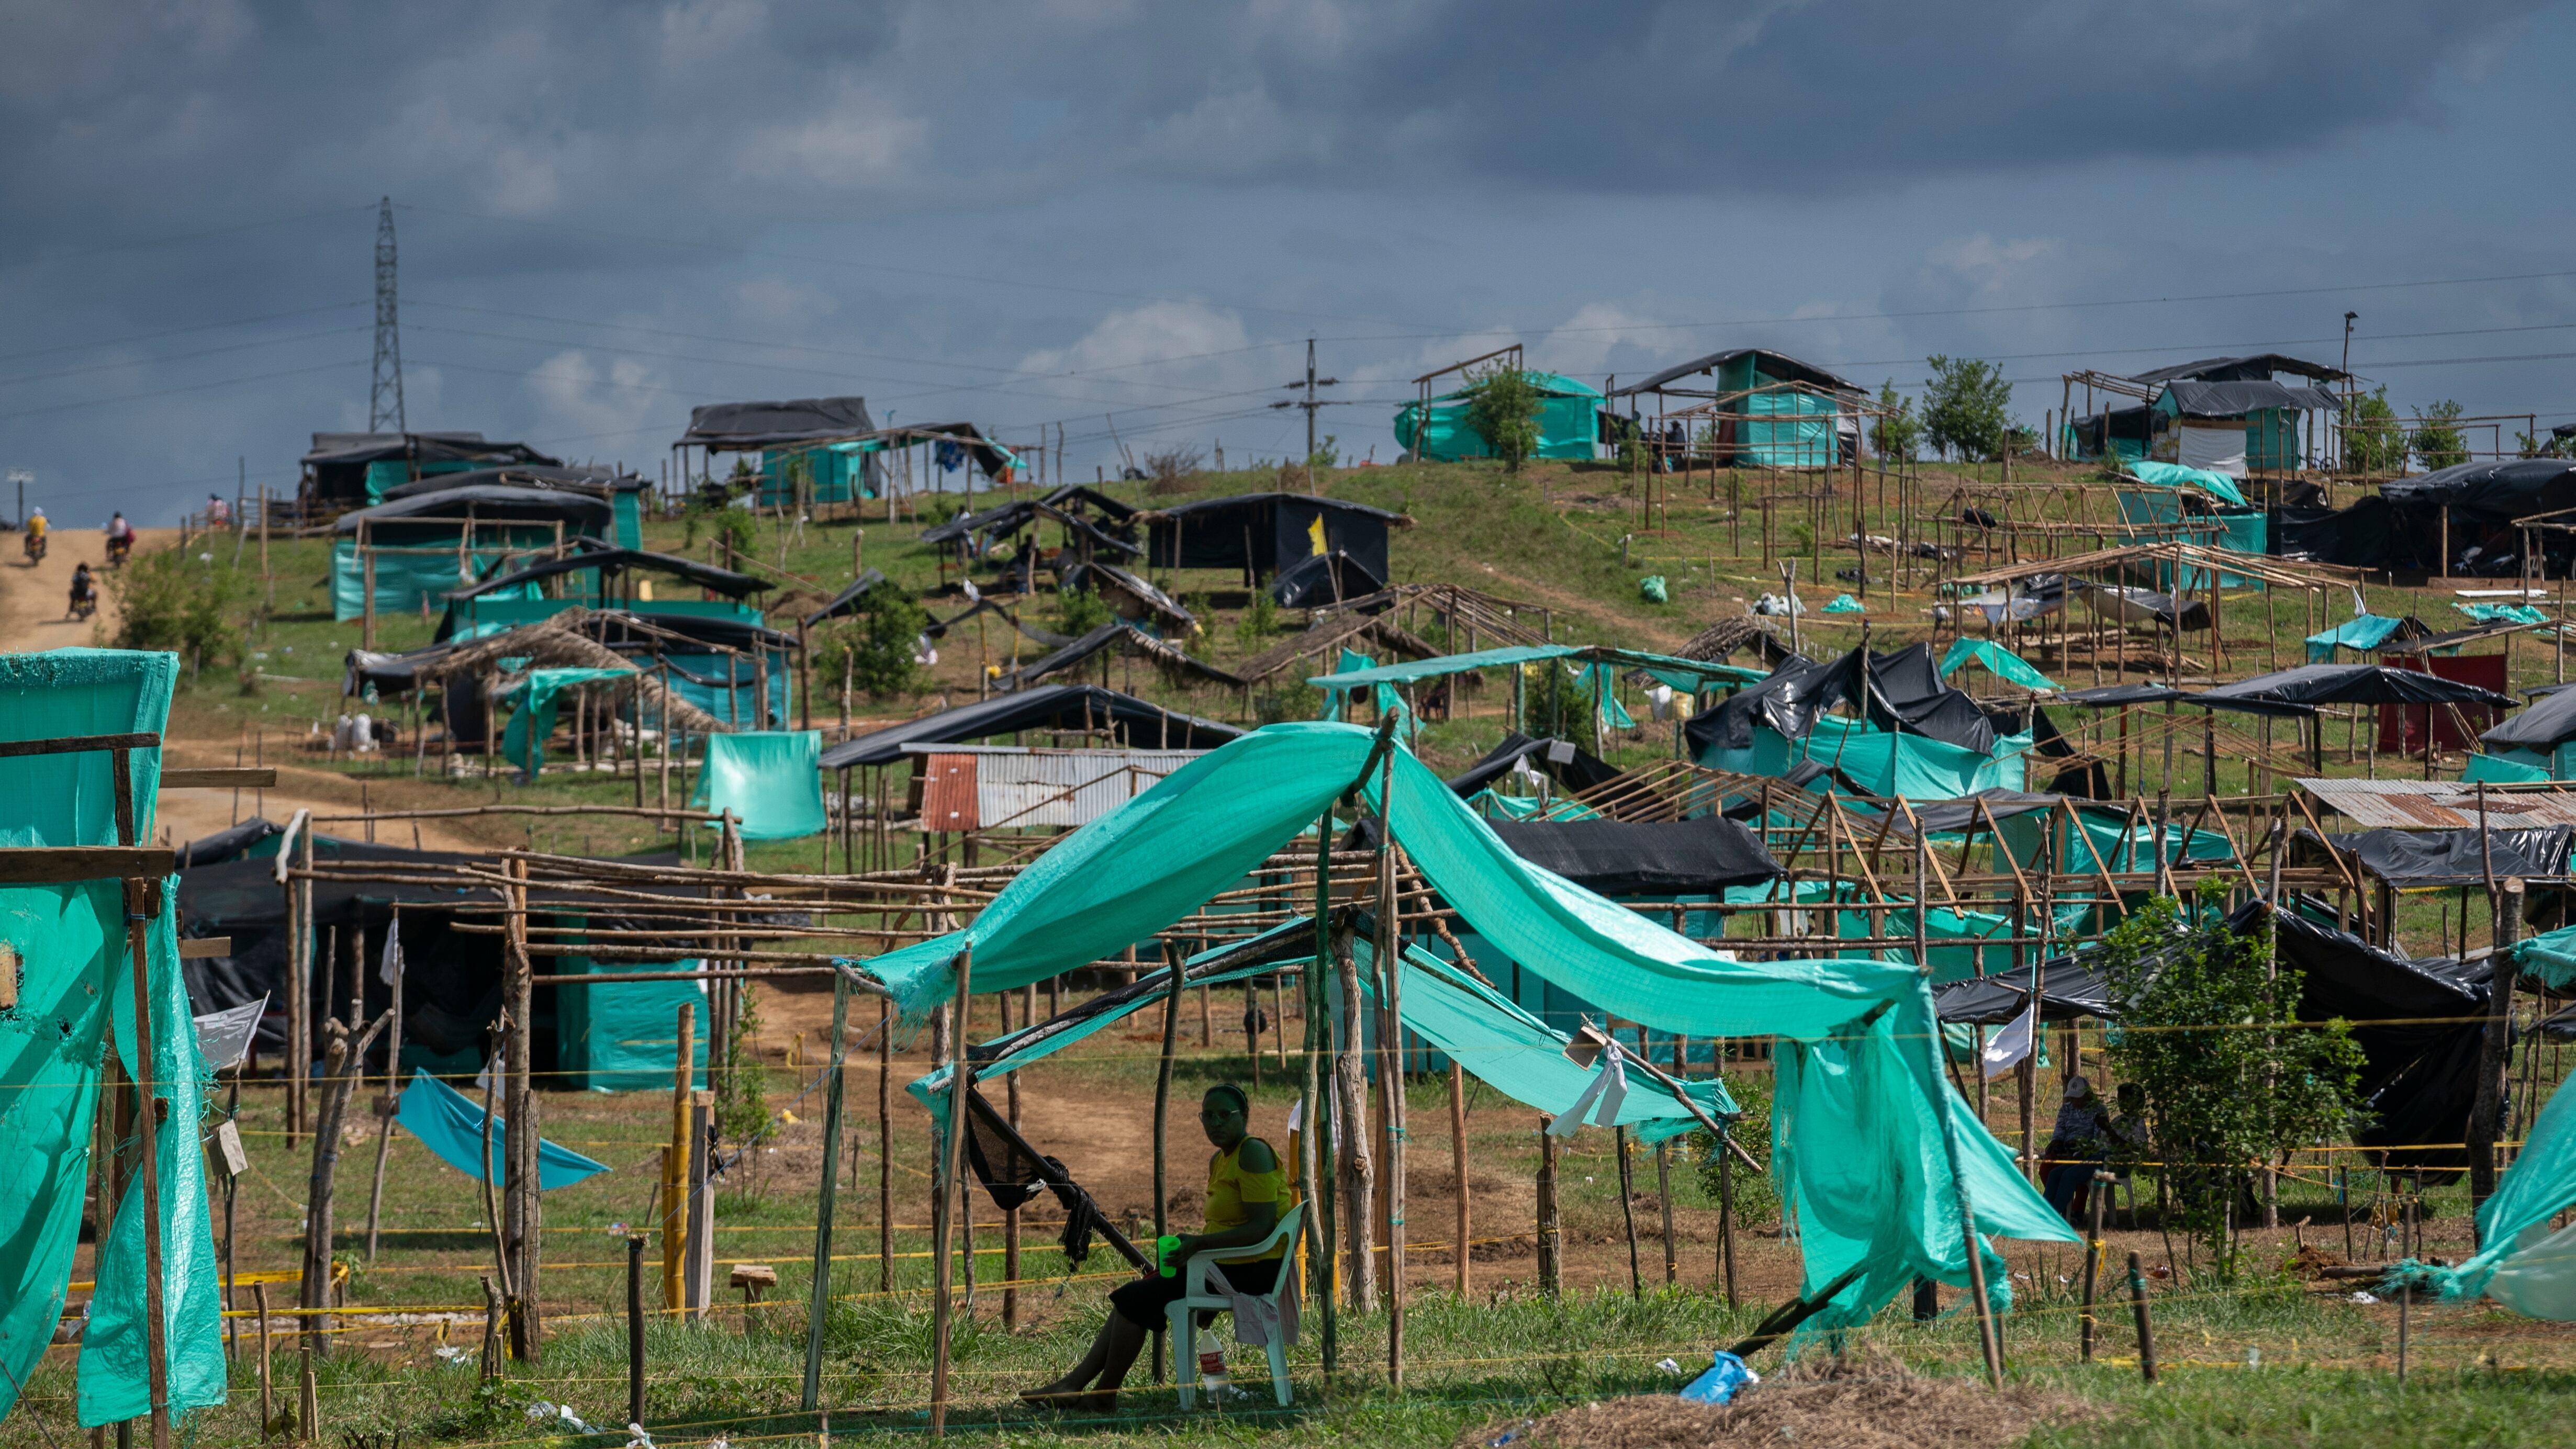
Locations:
(183, 603)
(2436, 440)
(1757, 1202)
(1966, 407)
(879, 651)
(1079, 611)
(1898, 433)
(2372, 440)
(1502, 406)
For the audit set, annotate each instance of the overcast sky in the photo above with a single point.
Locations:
(1128, 218)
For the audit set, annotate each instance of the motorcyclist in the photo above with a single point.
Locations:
(219, 514)
(36, 526)
(120, 537)
(84, 591)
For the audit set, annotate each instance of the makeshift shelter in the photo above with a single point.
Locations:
(1598, 666)
(1267, 534)
(1131, 598)
(1760, 409)
(2459, 521)
(594, 576)
(2521, 1261)
(397, 556)
(358, 470)
(1916, 736)
(624, 492)
(830, 441)
(1623, 858)
(1887, 1171)
(1117, 640)
(2409, 699)
(2227, 415)
(1573, 768)
(1441, 432)
(2543, 735)
(1084, 710)
(1998, 661)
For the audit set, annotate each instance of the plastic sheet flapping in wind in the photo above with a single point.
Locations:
(772, 781)
(1861, 1077)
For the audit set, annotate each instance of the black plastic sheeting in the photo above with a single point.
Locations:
(1644, 857)
(2255, 367)
(2400, 527)
(228, 843)
(2418, 859)
(1578, 769)
(1327, 578)
(2419, 1023)
(523, 475)
(2315, 684)
(744, 426)
(1137, 724)
(491, 501)
(1125, 638)
(1900, 692)
(1266, 533)
(618, 560)
(847, 600)
(2549, 722)
(2235, 399)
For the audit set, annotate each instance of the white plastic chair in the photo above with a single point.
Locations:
(1178, 1319)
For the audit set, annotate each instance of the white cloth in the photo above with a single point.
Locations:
(2216, 446)
(389, 967)
(1602, 1096)
(1255, 1318)
(2011, 1044)
(223, 1037)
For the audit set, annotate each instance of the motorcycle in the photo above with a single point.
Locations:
(35, 549)
(117, 549)
(84, 605)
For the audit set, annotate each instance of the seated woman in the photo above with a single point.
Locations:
(1245, 1183)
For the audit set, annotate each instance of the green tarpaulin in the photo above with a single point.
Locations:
(1859, 1056)
(75, 978)
(2361, 634)
(2503, 613)
(624, 1036)
(2002, 663)
(772, 781)
(2175, 475)
(1691, 675)
(523, 740)
(1914, 766)
(450, 1124)
(2492, 770)
(1566, 423)
(2522, 1264)
(404, 581)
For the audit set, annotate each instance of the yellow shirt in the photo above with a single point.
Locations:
(1230, 1186)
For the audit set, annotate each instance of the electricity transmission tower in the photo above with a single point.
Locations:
(384, 390)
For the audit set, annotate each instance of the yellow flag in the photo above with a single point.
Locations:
(1315, 531)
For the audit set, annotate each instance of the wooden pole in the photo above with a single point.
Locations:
(2102, 1188)
(945, 1171)
(393, 1083)
(143, 903)
(1551, 1277)
(1162, 1122)
(1315, 1121)
(1458, 1165)
(675, 1161)
(1628, 1210)
(885, 1145)
(2486, 1110)
(819, 1297)
(635, 1329)
(1726, 1218)
(1664, 1195)
(524, 1219)
(2146, 1328)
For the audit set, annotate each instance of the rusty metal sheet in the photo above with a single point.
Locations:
(948, 794)
(2439, 804)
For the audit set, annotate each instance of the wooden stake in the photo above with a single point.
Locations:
(259, 1302)
(819, 1297)
(960, 1079)
(635, 1329)
(1458, 1164)
(2102, 1187)
(1162, 1119)
(393, 1086)
(885, 1145)
(675, 1160)
(1628, 1211)
(1664, 1192)
(2146, 1328)
(1551, 1277)
(523, 1218)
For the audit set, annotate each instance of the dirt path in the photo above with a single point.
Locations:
(33, 597)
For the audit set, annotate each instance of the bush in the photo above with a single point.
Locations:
(1757, 1202)
(2436, 440)
(879, 651)
(183, 603)
(1502, 406)
(1079, 611)
(2372, 440)
(1898, 433)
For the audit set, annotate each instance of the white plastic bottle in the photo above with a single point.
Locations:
(1211, 1364)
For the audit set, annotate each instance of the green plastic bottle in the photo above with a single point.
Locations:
(1163, 1249)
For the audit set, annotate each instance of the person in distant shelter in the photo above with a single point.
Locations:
(2075, 1149)
(1246, 1183)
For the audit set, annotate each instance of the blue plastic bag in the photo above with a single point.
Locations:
(1726, 1377)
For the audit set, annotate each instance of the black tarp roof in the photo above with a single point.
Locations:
(486, 501)
(2417, 859)
(847, 600)
(359, 449)
(1902, 691)
(1569, 764)
(523, 475)
(228, 843)
(2257, 367)
(1063, 505)
(1102, 578)
(2315, 684)
(1137, 724)
(2400, 527)
(751, 426)
(1643, 857)
(2234, 399)
(618, 560)
(2548, 722)
(1125, 638)
(1775, 364)
(2068, 989)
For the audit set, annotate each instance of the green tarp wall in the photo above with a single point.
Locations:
(1914, 766)
(1567, 423)
(75, 981)
(2245, 532)
(390, 473)
(624, 1037)
(772, 780)
(1785, 430)
(839, 470)
(405, 580)
(627, 507)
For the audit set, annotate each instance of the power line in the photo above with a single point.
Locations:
(171, 391)
(177, 331)
(188, 236)
(172, 357)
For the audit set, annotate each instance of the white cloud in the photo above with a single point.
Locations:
(579, 398)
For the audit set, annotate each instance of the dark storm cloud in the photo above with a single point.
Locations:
(115, 117)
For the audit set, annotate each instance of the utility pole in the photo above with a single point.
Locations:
(22, 478)
(1311, 403)
(384, 388)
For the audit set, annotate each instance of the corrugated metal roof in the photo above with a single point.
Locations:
(1015, 787)
(2439, 804)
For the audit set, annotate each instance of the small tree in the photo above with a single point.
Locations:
(742, 1089)
(880, 651)
(1897, 434)
(184, 603)
(1079, 611)
(2373, 442)
(2436, 440)
(1967, 407)
(1502, 406)
(2210, 1031)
